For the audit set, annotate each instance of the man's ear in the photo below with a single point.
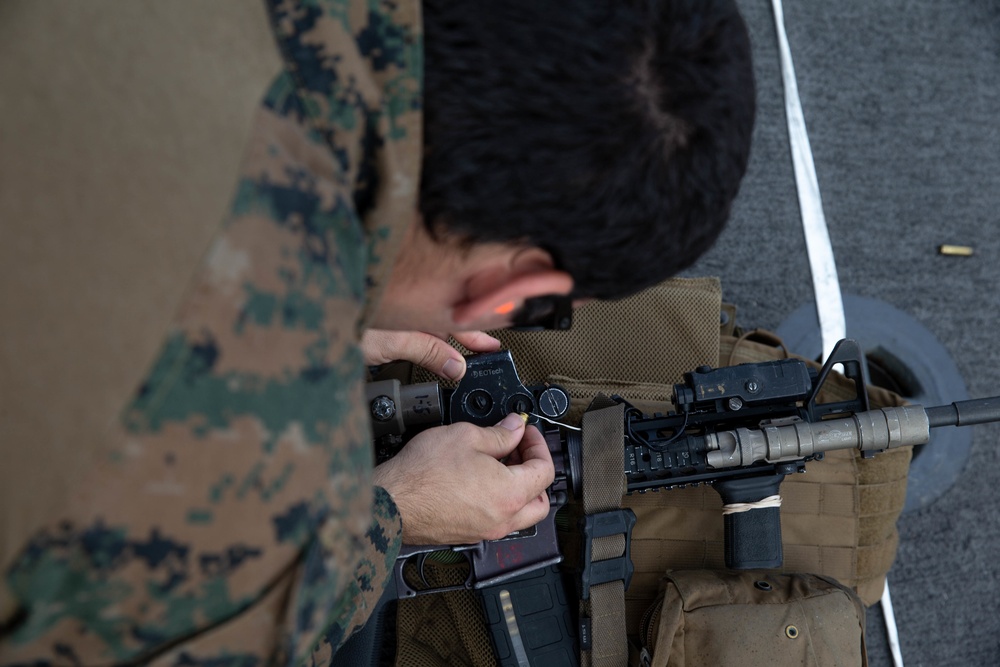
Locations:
(494, 307)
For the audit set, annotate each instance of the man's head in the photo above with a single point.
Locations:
(612, 134)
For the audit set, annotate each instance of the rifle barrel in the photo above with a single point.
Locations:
(965, 413)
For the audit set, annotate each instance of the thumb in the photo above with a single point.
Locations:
(503, 438)
(423, 349)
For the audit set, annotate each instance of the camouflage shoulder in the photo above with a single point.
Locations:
(356, 67)
(323, 626)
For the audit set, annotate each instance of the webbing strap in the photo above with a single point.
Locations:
(602, 489)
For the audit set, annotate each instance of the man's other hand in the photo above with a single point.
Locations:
(460, 484)
(432, 352)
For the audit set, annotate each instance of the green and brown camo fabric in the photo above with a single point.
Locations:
(233, 524)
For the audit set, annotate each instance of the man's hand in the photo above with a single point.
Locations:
(452, 487)
(425, 350)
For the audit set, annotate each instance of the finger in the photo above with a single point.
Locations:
(379, 346)
(513, 459)
(500, 440)
(536, 470)
(532, 438)
(477, 341)
(532, 513)
(423, 349)
(533, 447)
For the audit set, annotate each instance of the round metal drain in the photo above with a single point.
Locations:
(905, 357)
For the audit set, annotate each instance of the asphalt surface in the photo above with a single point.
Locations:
(902, 104)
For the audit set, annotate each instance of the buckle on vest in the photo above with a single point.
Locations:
(606, 524)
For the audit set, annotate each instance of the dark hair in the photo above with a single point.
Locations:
(613, 133)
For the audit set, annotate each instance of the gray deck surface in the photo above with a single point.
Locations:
(902, 103)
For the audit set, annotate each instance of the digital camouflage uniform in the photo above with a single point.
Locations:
(233, 525)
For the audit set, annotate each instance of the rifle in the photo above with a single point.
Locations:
(489, 391)
(741, 429)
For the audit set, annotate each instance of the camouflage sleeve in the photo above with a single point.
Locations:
(246, 443)
(233, 522)
(383, 543)
(373, 90)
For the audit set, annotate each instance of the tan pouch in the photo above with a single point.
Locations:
(729, 619)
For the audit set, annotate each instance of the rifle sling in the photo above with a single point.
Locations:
(602, 489)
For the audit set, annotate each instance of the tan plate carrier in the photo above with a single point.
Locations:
(838, 519)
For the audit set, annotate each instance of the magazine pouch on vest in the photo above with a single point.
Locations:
(743, 619)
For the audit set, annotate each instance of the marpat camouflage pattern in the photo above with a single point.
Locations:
(234, 523)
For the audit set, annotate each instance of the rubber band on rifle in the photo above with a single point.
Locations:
(762, 504)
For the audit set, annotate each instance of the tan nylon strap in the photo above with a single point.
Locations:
(602, 489)
(603, 459)
(609, 643)
(608, 547)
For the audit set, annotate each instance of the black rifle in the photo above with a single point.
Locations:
(489, 391)
(741, 429)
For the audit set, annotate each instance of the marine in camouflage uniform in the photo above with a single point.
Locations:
(235, 522)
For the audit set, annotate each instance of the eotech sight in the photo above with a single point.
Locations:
(489, 391)
(741, 429)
